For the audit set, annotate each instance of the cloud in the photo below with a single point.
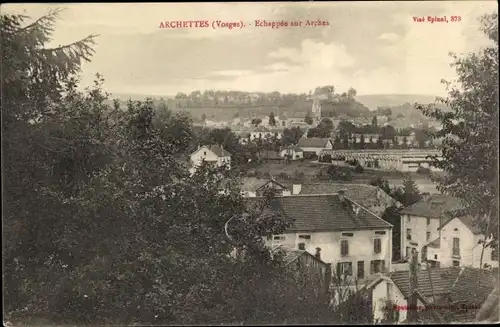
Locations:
(231, 72)
(388, 36)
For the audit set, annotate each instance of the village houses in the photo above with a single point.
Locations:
(370, 197)
(460, 243)
(351, 238)
(450, 294)
(214, 155)
(262, 132)
(420, 222)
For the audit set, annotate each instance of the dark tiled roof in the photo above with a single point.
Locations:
(435, 244)
(253, 184)
(290, 255)
(364, 194)
(219, 151)
(442, 281)
(313, 142)
(324, 213)
(433, 206)
(467, 221)
(471, 288)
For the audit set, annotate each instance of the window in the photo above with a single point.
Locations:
(456, 246)
(344, 269)
(278, 238)
(455, 230)
(435, 257)
(408, 218)
(456, 263)
(377, 245)
(344, 247)
(494, 254)
(205, 153)
(408, 234)
(428, 235)
(380, 233)
(428, 221)
(377, 266)
(348, 234)
(408, 251)
(361, 269)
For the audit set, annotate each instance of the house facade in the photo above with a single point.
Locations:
(314, 145)
(212, 154)
(262, 132)
(420, 222)
(460, 244)
(356, 242)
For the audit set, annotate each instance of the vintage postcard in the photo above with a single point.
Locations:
(250, 163)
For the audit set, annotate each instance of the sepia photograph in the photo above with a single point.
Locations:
(250, 163)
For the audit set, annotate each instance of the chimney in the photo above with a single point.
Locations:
(318, 253)
(302, 246)
(341, 195)
(296, 188)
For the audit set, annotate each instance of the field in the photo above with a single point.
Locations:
(311, 169)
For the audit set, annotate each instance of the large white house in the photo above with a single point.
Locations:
(351, 238)
(421, 220)
(460, 244)
(212, 154)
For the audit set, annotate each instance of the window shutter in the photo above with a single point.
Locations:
(346, 247)
(371, 267)
(338, 269)
(383, 265)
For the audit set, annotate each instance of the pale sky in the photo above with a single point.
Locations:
(375, 47)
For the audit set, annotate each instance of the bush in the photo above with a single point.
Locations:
(423, 171)
(359, 169)
(337, 173)
(325, 158)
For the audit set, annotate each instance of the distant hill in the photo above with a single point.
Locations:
(373, 101)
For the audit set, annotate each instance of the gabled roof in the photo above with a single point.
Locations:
(433, 207)
(291, 255)
(218, 150)
(468, 221)
(472, 287)
(324, 213)
(251, 184)
(313, 142)
(442, 281)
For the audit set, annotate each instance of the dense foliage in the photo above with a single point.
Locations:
(102, 222)
(470, 132)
